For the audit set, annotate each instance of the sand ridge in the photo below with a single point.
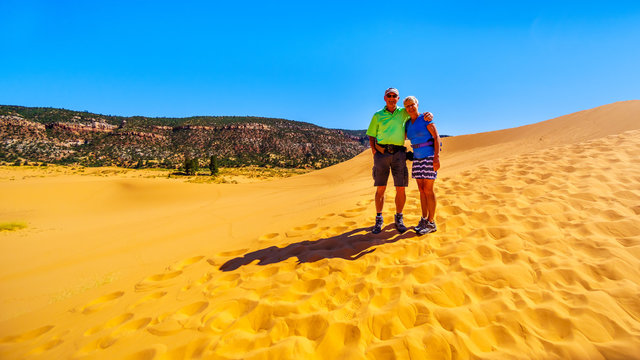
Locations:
(536, 257)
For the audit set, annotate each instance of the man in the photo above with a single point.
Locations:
(386, 137)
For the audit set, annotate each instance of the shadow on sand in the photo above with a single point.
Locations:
(350, 246)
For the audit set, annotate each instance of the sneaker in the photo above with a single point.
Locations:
(400, 224)
(421, 228)
(431, 227)
(377, 228)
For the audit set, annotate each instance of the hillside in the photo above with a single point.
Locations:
(66, 136)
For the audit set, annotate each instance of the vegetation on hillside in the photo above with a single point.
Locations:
(64, 137)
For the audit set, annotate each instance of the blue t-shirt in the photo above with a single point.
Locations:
(418, 134)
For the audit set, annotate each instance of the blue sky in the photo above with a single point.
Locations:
(477, 65)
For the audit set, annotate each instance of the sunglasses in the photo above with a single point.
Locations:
(392, 95)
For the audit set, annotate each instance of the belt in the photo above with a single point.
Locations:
(428, 143)
(390, 148)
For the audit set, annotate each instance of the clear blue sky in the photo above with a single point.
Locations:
(477, 65)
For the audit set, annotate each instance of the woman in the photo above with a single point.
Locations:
(425, 142)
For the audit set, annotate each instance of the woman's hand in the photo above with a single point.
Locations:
(436, 163)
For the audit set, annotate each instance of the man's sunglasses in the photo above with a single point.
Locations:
(392, 95)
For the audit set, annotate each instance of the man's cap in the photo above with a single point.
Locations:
(391, 90)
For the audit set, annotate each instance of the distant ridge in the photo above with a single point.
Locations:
(590, 124)
(66, 136)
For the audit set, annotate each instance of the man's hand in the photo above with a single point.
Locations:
(428, 116)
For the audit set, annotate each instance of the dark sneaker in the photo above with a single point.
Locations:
(400, 224)
(431, 227)
(421, 228)
(377, 228)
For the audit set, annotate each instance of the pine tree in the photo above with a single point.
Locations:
(213, 165)
(190, 166)
(195, 166)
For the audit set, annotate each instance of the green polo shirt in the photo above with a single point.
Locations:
(388, 128)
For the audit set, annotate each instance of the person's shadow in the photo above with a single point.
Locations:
(350, 246)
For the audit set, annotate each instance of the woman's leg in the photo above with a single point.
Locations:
(423, 197)
(430, 196)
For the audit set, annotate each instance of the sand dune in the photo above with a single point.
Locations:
(537, 256)
(468, 150)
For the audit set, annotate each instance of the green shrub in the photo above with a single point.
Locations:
(12, 226)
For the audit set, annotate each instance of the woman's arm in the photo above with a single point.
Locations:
(436, 146)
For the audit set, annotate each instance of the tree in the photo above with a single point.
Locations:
(190, 166)
(213, 165)
(195, 166)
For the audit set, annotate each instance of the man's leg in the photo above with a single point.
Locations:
(401, 198)
(381, 168)
(377, 228)
(380, 198)
(400, 180)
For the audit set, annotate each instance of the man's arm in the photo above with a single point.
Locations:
(374, 145)
(371, 132)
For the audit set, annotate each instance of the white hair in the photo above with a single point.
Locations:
(410, 98)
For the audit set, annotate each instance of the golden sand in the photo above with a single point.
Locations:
(537, 255)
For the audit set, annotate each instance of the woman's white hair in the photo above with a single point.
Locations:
(410, 98)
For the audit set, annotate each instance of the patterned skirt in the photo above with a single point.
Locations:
(423, 169)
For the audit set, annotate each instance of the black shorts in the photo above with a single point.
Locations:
(396, 163)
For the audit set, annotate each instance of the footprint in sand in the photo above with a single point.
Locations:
(365, 202)
(101, 302)
(157, 281)
(305, 227)
(180, 265)
(301, 230)
(118, 320)
(152, 353)
(326, 216)
(95, 345)
(55, 341)
(268, 237)
(29, 335)
(353, 212)
(147, 299)
(185, 318)
(233, 253)
(225, 314)
(131, 327)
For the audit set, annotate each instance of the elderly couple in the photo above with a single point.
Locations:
(387, 132)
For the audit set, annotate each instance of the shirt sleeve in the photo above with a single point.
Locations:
(373, 127)
(405, 115)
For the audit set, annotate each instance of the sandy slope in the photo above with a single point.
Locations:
(537, 256)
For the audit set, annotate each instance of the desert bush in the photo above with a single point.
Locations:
(12, 226)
